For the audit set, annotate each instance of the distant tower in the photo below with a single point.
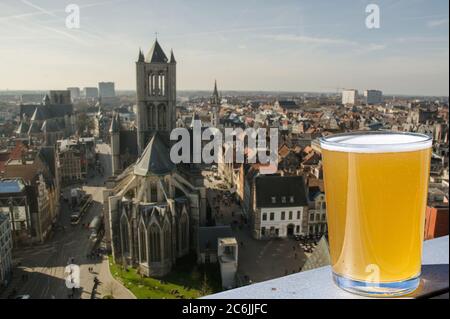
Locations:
(115, 143)
(156, 95)
(215, 107)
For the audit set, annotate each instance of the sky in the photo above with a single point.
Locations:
(264, 45)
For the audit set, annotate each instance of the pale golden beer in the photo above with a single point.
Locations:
(376, 187)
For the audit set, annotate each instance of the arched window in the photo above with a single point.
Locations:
(125, 235)
(162, 84)
(142, 244)
(150, 84)
(167, 242)
(155, 243)
(154, 84)
(184, 232)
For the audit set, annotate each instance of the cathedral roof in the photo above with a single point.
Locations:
(34, 128)
(155, 160)
(39, 114)
(156, 54)
(23, 128)
(53, 125)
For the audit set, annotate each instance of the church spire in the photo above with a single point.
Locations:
(215, 98)
(156, 54)
(216, 93)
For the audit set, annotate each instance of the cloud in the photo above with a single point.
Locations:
(357, 47)
(308, 39)
(437, 23)
(420, 39)
(371, 48)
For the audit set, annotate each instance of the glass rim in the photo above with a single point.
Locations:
(424, 142)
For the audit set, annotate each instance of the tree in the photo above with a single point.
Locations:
(84, 123)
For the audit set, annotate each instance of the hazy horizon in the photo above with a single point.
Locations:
(208, 91)
(289, 46)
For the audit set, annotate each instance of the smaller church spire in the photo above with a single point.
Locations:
(216, 92)
(215, 98)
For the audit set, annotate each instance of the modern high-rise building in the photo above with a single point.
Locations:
(75, 93)
(349, 97)
(372, 97)
(60, 97)
(91, 92)
(107, 90)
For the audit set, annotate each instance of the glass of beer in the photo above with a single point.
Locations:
(376, 186)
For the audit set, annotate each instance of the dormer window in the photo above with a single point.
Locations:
(274, 200)
(291, 199)
(283, 199)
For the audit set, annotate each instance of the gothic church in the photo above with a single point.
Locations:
(154, 208)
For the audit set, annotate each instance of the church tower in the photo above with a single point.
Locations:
(156, 95)
(215, 107)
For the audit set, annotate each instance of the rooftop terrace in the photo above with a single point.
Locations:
(317, 283)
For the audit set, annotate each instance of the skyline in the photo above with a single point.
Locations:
(297, 46)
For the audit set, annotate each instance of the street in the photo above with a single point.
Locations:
(40, 270)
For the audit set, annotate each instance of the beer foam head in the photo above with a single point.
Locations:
(376, 142)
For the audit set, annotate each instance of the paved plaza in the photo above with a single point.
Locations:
(258, 260)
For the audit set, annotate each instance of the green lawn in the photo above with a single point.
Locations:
(188, 278)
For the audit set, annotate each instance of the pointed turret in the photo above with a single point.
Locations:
(172, 57)
(156, 54)
(141, 57)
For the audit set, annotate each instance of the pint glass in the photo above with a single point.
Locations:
(376, 186)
